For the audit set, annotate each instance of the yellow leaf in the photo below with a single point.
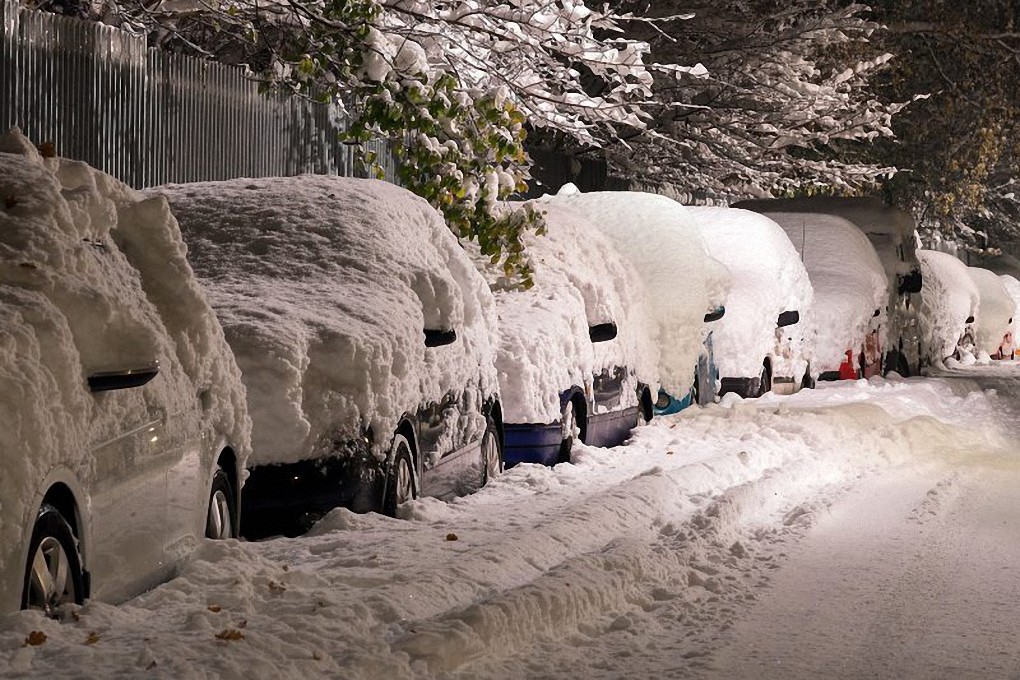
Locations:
(231, 634)
(35, 638)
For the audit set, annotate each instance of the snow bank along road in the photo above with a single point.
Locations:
(863, 529)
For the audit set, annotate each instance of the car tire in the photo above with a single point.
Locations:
(569, 429)
(492, 452)
(807, 382)
(221, 515)
(765, 380)
(400, 486)
(696, 391)
(53, 574)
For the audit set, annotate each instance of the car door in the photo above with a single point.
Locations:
(128, 498)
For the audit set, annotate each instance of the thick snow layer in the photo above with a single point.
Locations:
(544, 344)
(633, 562)
(654, 235)
(995, 312)
(891, 231)
(1013, 288)
(948, 298)
(768, 279)
(849, 284)
(93, 277)
(324, 286)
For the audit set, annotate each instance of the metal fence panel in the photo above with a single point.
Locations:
(149, 117)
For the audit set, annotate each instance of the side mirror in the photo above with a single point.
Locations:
(438, 338)
(120, 380)
(910, 283)
(877, 312)
(602, 332)
(788, 318)
(970, 319)
(715, 314)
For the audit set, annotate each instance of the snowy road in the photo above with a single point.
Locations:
(857, 530)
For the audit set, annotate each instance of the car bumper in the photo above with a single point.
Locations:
(532, 443)
(287, 499)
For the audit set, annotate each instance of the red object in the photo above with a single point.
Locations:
(847, 370)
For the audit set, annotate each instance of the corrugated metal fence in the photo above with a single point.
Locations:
(149, 117)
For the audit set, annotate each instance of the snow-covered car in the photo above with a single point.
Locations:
(123, 429)
(1012, 286)
(994, 324)
(574, 358)
(760, 346)
(892, 232)
(684, 286)
(364, 336)
(848, 316)
(949, 307)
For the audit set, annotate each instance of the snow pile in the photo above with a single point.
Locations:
(93, 278)
(544, 345)
(681, 281)
(627, 563)
(324, 286)
(849, 283)
(948, 298)
(768, 279)
(996, 311)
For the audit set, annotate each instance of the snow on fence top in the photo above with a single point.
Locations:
(324, 286)
(93, 277)
(848, 279)
(948, 298)
(996, 310)
(544, 346)
(663, 247)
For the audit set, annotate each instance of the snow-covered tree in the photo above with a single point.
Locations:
(450, 83)
(960, 147)
(779, 93)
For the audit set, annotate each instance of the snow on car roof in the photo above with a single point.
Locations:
(93, 277)
(324, 286)
(768, 279)
(664, 249)
(948, 297)
(890, 230)
(544, 346)
(849, 281)
(996, 311)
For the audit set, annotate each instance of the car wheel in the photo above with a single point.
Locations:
(696, 391)
(492, 452)
(765, 380)
(53, 575)
(221, 521)
(569, 431)
(400, 479)
(807, 382)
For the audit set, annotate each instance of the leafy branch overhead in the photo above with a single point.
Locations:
(450, 83)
